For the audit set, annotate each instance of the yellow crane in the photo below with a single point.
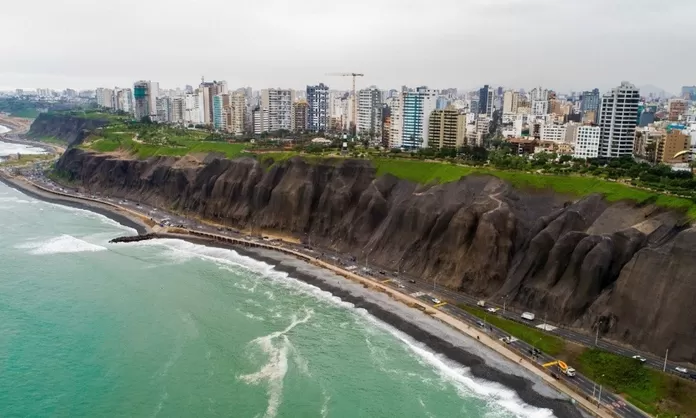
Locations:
(355, 97)
(565, 369)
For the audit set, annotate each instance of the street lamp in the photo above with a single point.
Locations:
(596, 340)
(599, 397)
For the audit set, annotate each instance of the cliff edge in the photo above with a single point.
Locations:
(585, 262)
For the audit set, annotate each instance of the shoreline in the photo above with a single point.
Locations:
(110, 213)
(524, 383)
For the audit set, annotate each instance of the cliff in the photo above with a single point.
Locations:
(71, 129)
(583, 262)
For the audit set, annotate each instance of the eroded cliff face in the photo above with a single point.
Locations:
(579, 261)
(71, 129)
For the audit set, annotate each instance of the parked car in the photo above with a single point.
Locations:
(411, 281)
(681, 370)
(639, 358)
(528, 316)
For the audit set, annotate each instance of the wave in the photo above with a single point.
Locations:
(63, 244)
(274, 371)
(460, 377)
(500, 397)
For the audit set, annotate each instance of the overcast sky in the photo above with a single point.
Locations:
(560, 44)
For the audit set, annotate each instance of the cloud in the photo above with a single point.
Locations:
(561, 44)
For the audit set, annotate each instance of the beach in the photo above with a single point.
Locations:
(487, 358)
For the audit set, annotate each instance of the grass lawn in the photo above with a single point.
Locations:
(575, 185)
(542, 340)
(651, 390)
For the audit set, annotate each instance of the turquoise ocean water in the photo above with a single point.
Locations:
(171, 329)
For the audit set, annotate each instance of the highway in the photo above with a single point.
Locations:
(414, 286)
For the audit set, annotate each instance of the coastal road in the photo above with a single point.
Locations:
(584, 385)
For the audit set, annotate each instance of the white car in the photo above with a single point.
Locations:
(435, 300)
(493, 310)
(639, 358)
(681, 370)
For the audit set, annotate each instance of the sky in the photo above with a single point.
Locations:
(565, 45)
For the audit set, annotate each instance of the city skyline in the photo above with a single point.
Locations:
(579, 46)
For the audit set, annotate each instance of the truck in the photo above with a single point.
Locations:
(528, 316)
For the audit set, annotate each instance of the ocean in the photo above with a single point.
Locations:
(172, 329)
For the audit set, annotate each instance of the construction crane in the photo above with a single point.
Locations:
(355, 98)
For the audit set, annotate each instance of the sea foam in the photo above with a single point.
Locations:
(60, 245)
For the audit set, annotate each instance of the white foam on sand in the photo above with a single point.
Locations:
(276, 346)
(4, 129)
(63, 244)
(7, 148)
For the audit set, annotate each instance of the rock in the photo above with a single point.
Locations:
(577, 261)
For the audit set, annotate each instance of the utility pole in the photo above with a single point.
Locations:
(596, 338)
(599, 398)
(664, 368)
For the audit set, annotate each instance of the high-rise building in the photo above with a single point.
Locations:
(586, 141)
(177, 110)
(396, 123)
(221, 110)
(370, 112)
(238, 116)
(446, 128)
(417, 106)
(539, 99)
(192, 111)
(105, 97)
(163, 112)
(208, 90)
(141, 99)
(154, 94)
(485, 105)
(510, 101)
(589, 100)
(299, 116)
(318, 107)
(278, 102)
(259, 120)
(677, 109)
(617, 120)
(688, 93)
(675, 142)
(123, 100)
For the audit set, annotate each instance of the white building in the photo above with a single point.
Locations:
(105, 97)
(396, 127)
(587, 140)
(260, 120)
(370, 112)
(154, 94)
(278, 102)
(617, 120)
(510, 101)
(193, 109)
(553, 132)
(239, 105)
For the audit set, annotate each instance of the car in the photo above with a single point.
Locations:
(481, 324)
(411, 281)
(681, 370)
(493, 310)
(639, 358)
(401, 286)
(435, 300)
